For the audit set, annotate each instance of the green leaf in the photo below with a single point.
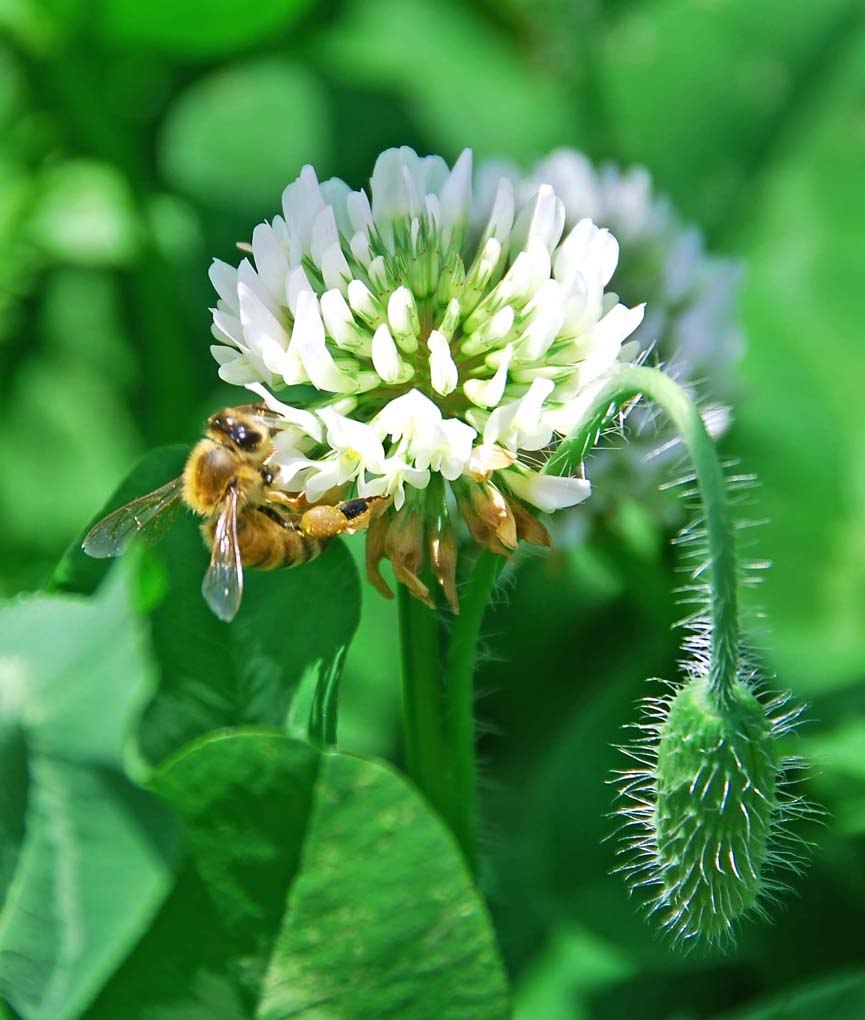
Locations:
(289, 637)
(195, 28)
(79, 573)
(841, 997)
(319, 885)
(465, 82)
(238, 136)
(383, 922)
(87, 857)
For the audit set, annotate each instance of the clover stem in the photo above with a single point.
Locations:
(460, 695)
(638, 381)
(424, 734)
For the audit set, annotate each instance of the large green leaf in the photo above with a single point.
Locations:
(236, 137)
(86, 856)
(320, 885)
(288, 641)
(277, 664)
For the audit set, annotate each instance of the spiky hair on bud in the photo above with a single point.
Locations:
(706, 809)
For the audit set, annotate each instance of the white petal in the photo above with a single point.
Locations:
(385, 359)
(345, 433)
(405, 415)
(453, 453)
(403, 318)
(543, 219)
(247, 277)
(306, 421)
(335, 192)
(261, 329)
(519, 425)
(324, 234)
(359, 211)
(308, 342)
(488, 392)
(443, 370)
(318, 482)
(224, 279)
(270, 260)
(547, 319)
(340, 322)
(548, 492)
(296, 283)
(361, 300)
(588, 250)
(617, 325)
(229, 328)
(455, 197)
(360, 248)
(501, 218)
(239, 372)
(334, 268)
(302, 201)
(390, 191)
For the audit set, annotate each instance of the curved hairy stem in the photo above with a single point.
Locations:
(636, 381)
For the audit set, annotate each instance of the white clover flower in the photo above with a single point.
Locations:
(447, 351)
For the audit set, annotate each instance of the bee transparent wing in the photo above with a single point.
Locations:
(223, 583)
(113, 534)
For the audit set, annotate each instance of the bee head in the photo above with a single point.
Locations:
(242, 432)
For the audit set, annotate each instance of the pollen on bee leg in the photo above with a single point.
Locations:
(443, 558)
(404, 547)
(323, 522)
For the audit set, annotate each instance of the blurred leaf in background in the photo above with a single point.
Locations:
(86, 856)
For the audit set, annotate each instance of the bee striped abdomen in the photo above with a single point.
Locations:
(271, 540)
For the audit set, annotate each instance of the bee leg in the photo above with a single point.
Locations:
(343, 518)
(297, 504)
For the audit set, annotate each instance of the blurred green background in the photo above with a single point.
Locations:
(138, 141)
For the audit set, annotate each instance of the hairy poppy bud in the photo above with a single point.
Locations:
(707, 808)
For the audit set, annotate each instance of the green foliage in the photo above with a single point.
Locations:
(87, 857)
(209, 146)
(296, 896)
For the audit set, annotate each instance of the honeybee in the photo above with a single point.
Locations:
(248, 522)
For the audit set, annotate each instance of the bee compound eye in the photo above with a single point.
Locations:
(244, 437)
